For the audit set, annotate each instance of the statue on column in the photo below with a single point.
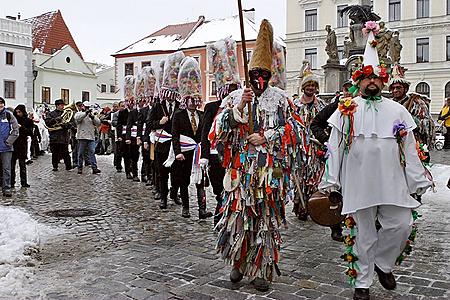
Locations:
(383, 39)
(395, 48)
(331, 47)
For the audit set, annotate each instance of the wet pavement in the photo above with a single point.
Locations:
(132, 250)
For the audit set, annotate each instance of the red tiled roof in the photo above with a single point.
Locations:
(51, 32)
(182, 29)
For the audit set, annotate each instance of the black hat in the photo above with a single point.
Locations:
(59, 101)
(2, 100)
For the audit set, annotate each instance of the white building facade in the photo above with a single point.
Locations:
(16, 76)
(107, 92)
(423, 25)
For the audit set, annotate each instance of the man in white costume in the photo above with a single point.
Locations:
(373, 159)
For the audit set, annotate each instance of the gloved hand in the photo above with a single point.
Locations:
(204, 163)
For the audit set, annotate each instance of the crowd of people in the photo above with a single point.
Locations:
(259, 150)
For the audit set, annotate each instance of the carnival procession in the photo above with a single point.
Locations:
(218, 159)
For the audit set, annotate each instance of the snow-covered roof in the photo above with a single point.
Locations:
(177, 37)
(216, 29)
(154, 43)
(41, 27)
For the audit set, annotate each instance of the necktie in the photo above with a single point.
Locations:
(170, 109)
(193, 122)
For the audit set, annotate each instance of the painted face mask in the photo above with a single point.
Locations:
(259, 79)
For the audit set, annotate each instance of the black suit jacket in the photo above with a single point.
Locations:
(142, 117)
(181, 125)
(132, 120)
(122, 120)
(210, 113)
(158, 111)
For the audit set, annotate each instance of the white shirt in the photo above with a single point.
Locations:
(197, 119)
(168, 109)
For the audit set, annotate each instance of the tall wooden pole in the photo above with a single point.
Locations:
(244, 54)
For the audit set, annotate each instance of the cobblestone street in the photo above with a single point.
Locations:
(133, 250)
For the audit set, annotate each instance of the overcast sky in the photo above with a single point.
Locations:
(102, 27)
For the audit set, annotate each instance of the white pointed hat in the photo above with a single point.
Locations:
(371, 53)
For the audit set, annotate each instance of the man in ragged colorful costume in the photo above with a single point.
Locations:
(373, 160)
(307, 159)
(223, 64)
(256, 180)
(419, 108)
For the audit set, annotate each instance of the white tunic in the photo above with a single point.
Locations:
(370, 174)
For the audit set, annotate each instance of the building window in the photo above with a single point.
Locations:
(342, 19)
(447, 90)
(311, 20)
(103, 88)
(45, 95)
(311, 56)
(10, 89)
(10, 58)
(213, 90)
(197, 58)
(423, 8)
(422, 49)
(340, 50)
(112, 88)
(448, 47)
(423, 88)
(249, 55)
(65, 95)
(146, 64)
(394, 10)
(84, 96)
(129, 69)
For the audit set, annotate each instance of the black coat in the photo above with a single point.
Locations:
(122, 121)
(60, 136)
(141, 121)
(181, 125)
(319, 124)
(132, 120)
(209, 114)
(21, 143)
(158, 111)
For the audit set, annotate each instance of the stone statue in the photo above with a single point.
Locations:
(348, 44)
(384, 40)
(331, 47)
(395, 48)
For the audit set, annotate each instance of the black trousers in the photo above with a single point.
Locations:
(118, 156)
(162, 173)
(145, 166)
(60, 151)
(130, 157)
(22, 170)
(34, 149)
(216, 174)
(447, 138)
(182, 176)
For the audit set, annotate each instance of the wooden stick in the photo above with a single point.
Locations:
(244, 54)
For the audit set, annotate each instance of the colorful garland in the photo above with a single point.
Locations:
(412, 237)
(400, 132)
(349, 255)
(347, 107)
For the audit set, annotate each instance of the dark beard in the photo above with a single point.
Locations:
(372, 92)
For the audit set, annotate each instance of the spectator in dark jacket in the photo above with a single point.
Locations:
(59, 136)
(319, 128)
(35, 138)
(21, 145)
(9, 131)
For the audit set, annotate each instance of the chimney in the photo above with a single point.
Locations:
(249, 14)
(11, 18)
(18, 16)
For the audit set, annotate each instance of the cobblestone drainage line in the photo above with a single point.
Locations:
(72, 212)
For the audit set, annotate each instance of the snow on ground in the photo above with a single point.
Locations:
(20, 236)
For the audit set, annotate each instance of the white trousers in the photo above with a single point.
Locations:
(380, 247)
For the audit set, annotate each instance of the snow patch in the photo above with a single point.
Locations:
(20, 236)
